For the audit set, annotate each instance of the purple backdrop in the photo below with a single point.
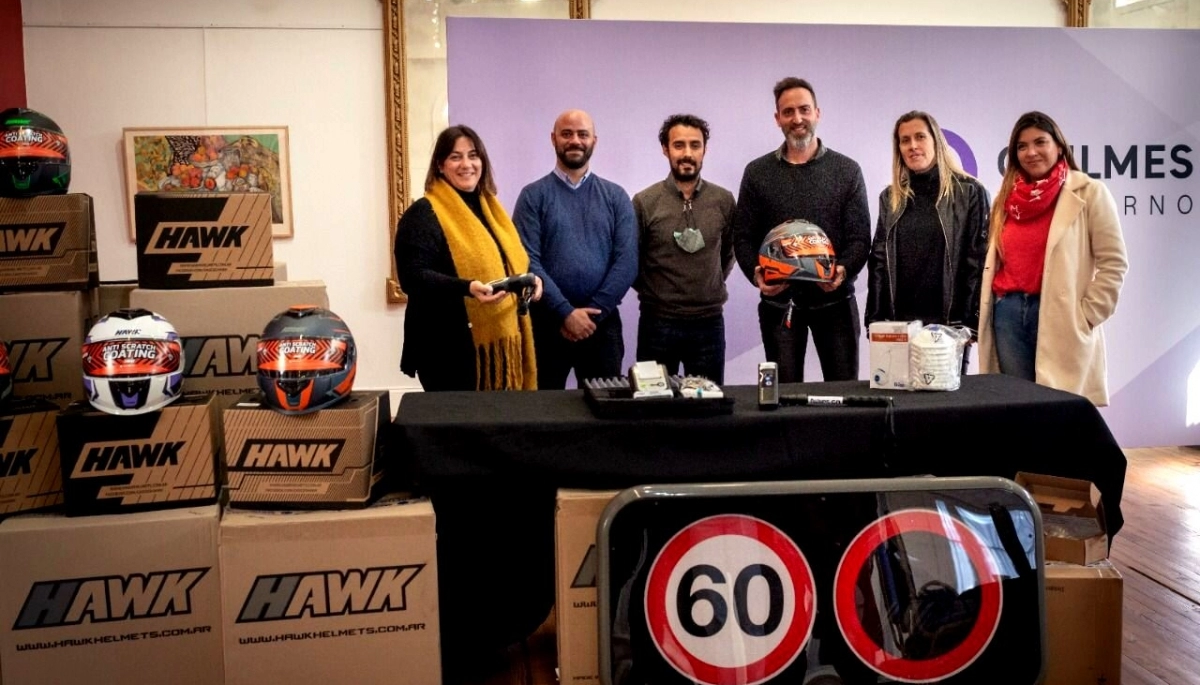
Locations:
(1132, 91)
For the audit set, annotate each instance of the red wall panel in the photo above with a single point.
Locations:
(12, 55)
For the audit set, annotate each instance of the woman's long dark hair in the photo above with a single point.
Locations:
(1042, 122)
(444, 145)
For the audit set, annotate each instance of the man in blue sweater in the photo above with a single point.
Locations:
(581, 235)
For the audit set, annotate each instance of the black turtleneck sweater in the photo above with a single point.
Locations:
(920, 253)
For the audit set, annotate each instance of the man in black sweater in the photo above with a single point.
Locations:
(805, 180)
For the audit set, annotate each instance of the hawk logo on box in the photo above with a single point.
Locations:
(172, 239)
(30, 240)
(290, 455)
(31, 359)
(17, 462)
(219, 356)
(328, 593)
(112, 458)
(55, 603)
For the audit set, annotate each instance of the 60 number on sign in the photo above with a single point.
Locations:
(729, 600)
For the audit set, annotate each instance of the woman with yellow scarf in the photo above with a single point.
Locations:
(458, 334)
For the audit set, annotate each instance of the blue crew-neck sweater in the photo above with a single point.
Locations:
(582, 242)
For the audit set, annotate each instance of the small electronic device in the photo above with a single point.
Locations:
(649, 379)
(521, 285)
(513, 284)
(768, 385)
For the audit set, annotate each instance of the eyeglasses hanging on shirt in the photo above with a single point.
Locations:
(689, 239)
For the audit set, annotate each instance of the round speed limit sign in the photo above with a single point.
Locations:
(730, 600)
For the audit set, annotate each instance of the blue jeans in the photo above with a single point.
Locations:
(1015, 324)
(698, 344)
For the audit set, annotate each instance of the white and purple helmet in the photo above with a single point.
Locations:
(132, 363)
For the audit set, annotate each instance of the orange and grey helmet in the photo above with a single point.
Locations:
(796, 250)
(306, 360)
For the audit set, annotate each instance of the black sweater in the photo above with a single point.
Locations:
(828, 191)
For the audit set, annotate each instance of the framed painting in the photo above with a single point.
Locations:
(211, 160)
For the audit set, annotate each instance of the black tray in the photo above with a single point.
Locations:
(619, 403)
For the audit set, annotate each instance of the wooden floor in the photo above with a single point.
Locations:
(1158, 552)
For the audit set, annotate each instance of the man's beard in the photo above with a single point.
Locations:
(800, 141)
(685, 175)
(574, 163)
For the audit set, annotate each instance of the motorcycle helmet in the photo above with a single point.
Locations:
(5, 373)
(34, 156)
(132, 363)
(796, 251)
(306, 360)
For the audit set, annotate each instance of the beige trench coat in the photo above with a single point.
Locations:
(1081, 279)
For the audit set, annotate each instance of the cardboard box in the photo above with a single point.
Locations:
(331, 597)
(889, 352)
(161, 459)
(1072, 520)
(45, 334)
(133, 599)
(30, 474)
(48, 243)
(334, 457)
(220, 328)
(113, 295)
(203, 240)
(575, 569)
(1083, 624)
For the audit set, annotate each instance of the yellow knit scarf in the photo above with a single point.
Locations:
(504, 357)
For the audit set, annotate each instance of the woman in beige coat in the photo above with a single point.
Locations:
(1054, 267)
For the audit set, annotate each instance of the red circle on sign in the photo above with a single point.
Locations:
(846, 612)
(659, 601)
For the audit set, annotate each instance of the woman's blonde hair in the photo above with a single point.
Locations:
(1042, 122)
(947, 164)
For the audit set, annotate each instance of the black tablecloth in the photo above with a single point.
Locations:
(993, 425)
(503, 454)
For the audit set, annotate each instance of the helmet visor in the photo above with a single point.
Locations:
(27, 141)
(281, 357)
(131, 357)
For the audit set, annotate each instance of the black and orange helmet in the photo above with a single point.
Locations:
(34, 156)
(796, 251)
(306, 360)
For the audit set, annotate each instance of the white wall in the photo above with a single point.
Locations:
(315, 66)
(930, 12)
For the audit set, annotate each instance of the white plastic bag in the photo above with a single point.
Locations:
(935, 357)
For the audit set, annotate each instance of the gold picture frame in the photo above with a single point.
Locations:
(396, 103)
(211, 159)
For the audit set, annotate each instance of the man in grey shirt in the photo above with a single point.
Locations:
(685, 253)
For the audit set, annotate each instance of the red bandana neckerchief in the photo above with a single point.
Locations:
(1029, 200)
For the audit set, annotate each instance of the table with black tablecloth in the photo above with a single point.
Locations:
(492, 462)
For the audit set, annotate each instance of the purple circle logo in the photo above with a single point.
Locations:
(965, 155)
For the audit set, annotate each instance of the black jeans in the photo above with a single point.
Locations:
(835, 332)
(597, 356)
(698, 344)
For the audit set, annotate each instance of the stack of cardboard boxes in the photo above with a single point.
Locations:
(1083, 589)
(143, 580)
(48, 279)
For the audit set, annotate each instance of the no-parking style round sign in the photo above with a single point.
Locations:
(730, 601)
(986, 579)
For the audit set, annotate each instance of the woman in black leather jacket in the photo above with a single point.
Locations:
(926, 261)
